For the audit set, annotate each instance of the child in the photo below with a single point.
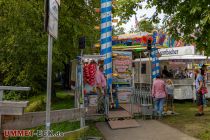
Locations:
(170, 91)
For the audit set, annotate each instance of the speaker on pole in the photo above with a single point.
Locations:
(82, 43)
(46, 14)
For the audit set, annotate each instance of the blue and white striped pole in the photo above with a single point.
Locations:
(106, 38)
(155, 63)
(155, 60)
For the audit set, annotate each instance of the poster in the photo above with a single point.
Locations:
(122, 67)
(124, 94)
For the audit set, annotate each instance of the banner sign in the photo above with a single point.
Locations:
(122, 67)
(187, 50)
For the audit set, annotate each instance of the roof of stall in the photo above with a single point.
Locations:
(132, 35)
(92, 57)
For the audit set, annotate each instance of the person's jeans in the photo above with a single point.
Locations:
(159, 102)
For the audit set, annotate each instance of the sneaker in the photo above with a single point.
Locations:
(160, 118)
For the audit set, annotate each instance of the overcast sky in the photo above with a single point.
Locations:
(141, 12)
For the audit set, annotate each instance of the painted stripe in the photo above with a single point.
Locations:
(106, 9)
(106, 50)
(106, 40)
(103, 25)
(106, 19)
(103, 46)
(109, 54)
(102, 1)
(106, 4)
(109, 81)
(104, 35)
(108, 71)
(107, 60)
(108, 65)
(107, 29)
(106, 14)
(153, 62)
(109, 76)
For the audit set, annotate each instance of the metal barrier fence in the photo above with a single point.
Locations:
(143, 99)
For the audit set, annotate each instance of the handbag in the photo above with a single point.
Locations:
(204, 90)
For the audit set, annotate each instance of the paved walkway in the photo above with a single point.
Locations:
(148, 130)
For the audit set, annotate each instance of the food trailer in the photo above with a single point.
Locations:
(180, 63)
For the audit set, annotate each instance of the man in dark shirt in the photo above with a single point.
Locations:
(165, 72)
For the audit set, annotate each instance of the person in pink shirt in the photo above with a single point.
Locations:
(159, 94)
(101, 85)
(100, 78)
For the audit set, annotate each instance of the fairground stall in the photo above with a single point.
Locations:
(176, 64)
(86, 93)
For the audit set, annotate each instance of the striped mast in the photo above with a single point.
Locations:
(106, 38)
(155, 60)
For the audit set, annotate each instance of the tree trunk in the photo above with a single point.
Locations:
(53, 95)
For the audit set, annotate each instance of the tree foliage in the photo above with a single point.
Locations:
(145, 26)
(23, 44)
(133, 30)
(189, 19)
(125, 9)
(118, 31)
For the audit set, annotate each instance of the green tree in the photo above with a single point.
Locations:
(23, 44)
(118, 31)
(133, 30)
(189, 18)
(145, 26)
(183, 17)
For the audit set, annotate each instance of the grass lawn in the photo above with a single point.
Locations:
(188, 123)
(64, 100)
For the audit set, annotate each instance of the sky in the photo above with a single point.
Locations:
(139, 13)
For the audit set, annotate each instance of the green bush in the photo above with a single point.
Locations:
(36, 104)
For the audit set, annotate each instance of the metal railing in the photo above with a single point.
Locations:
(143, 99)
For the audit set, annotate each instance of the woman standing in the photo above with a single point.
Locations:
(199, 83)
(170, 92)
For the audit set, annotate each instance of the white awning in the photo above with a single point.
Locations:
(181, 57)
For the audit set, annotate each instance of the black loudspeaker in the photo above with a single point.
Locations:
(46, 14)
(149, 45)
(82, 42)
